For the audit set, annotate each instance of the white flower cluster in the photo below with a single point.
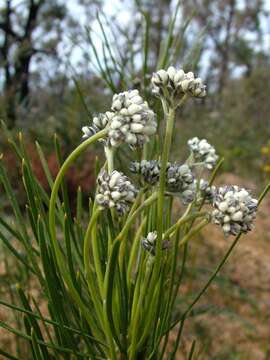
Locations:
(115, 191)
(149, 243)
(200, 190)
(177, 83)
(131, 121)
(208, 192)
(203, 152)
(99, 123)
(235, 210)
(178, 177)
(149, 169)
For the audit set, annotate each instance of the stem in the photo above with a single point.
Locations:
(213, 276)
(130, 219)
(193, 232)
(171, 231)
(162, 178)
(86, 252)
(134, 249)
(177, 245)
(264, 193)
(67, 163)
(109, 153)
(52, 226)
(177, 341)
(170, 115)
(136, 316)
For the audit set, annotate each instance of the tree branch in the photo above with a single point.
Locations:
(32, 17)
(7, 29)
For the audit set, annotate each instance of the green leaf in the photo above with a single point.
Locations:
(164, 55)
(109, 286)
(34, 324)
(47, 344)
(8, 355)
(51, 322)
(19, 256)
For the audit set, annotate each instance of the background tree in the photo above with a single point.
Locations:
(32, 30)
(233, 32)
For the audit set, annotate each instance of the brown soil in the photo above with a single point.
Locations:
(239, 325)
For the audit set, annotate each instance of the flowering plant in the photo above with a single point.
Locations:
(112, 279)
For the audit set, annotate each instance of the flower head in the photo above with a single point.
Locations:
(131, 121)
(208, 192)
(203, 152)
(100, 121)
(115, 191)
(199, 189)
(149, 243)
(175, 83)
(178, 177)
(148, 169)
(235, 210)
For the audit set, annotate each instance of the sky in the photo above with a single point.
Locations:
(120, 7)
(124, 16)
(111, 7)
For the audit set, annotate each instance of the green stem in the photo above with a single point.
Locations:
(131, 219)
(52, 226)
(91, 230)
(193, 232)
(264, 193)
(86, 252)
(162, 179)
(177, 245)
(171, 231)
(136, 316)
(211, 279)
(134, 250)
(109, 153)
(170, 115)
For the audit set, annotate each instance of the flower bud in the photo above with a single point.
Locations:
(203, 152)
(234, 210)
(115, 191)
(173, 84)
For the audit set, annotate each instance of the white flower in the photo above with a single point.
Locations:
(235, 210)
(201, 190)
(100, 121)
(176, 83)
(203, 152)
(115, 191)
(149, 169)
(178, 177)
(131, 121)
(149, 243)
(207, 192)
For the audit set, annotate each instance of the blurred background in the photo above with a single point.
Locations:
(60, 63)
